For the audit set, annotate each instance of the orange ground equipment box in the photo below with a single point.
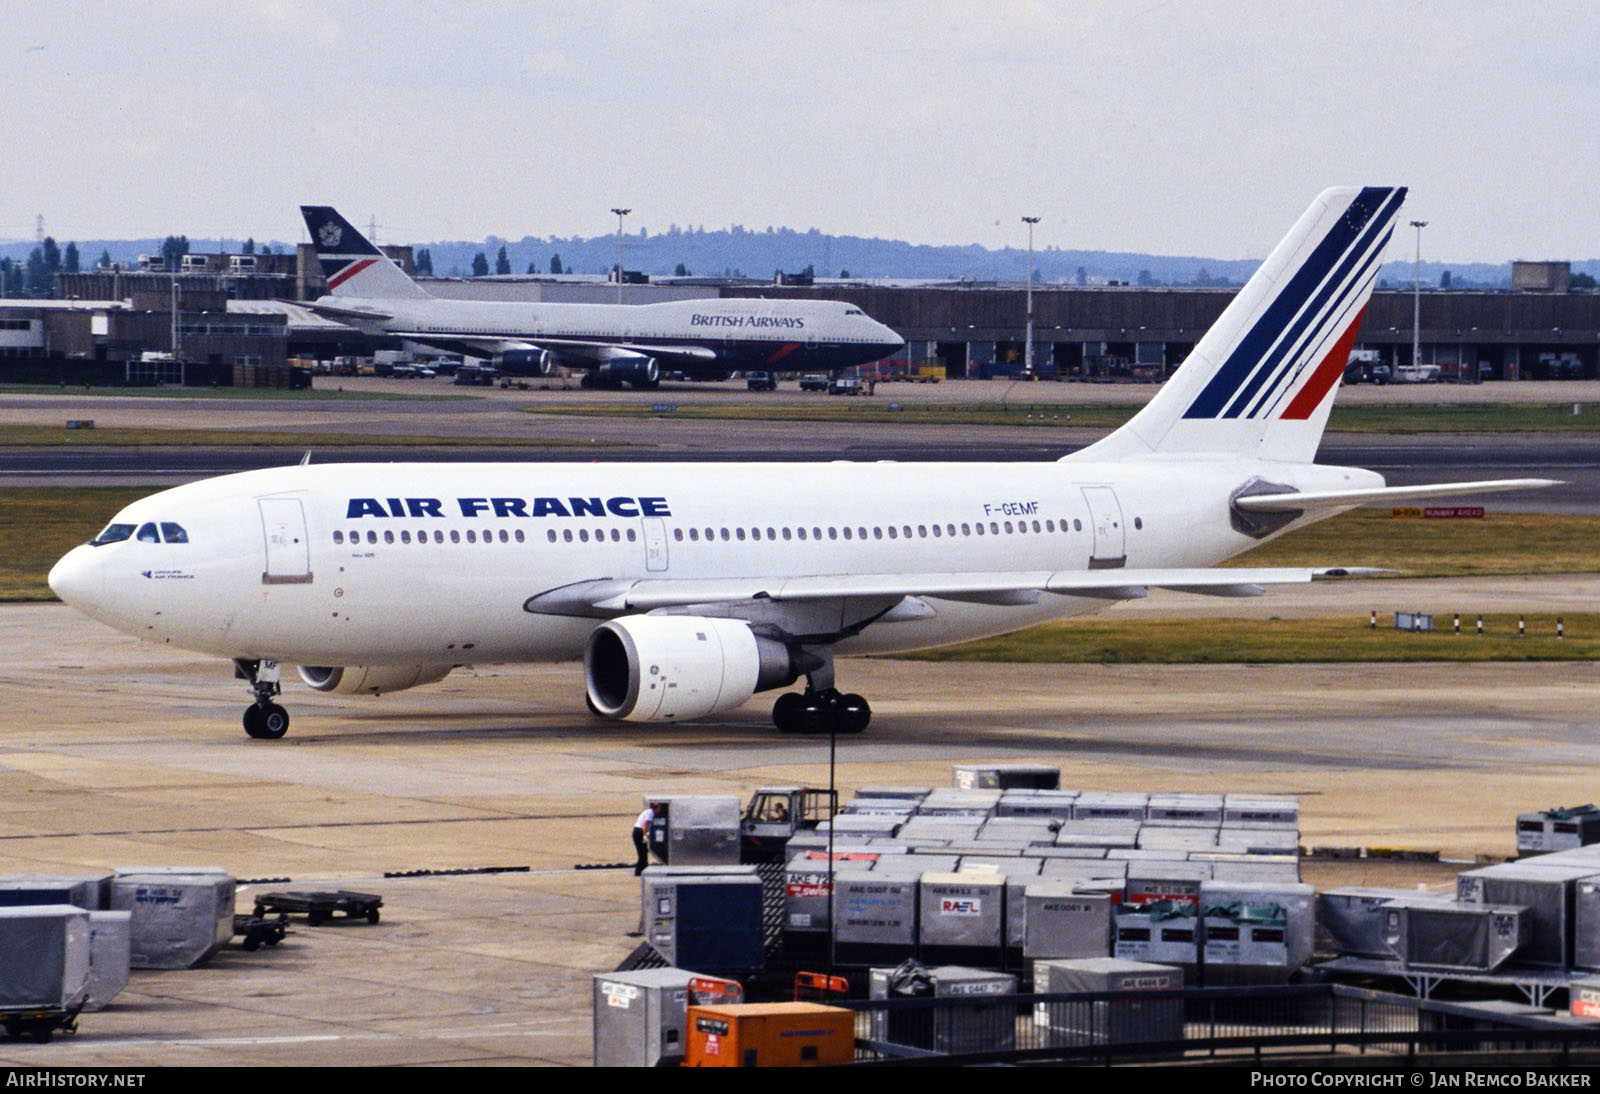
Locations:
(770, 1035)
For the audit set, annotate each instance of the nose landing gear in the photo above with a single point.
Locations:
(264, 720)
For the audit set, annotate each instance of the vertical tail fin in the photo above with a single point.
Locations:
(351, 265)
(1261, 381)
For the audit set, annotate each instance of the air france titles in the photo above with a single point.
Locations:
(510, 507)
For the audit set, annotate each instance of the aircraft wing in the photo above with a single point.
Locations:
(1333, 499)
(600, 352)
(575, 352)
(605, 598)
(333, 311)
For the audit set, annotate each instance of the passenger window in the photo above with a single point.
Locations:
(1077, 525)
(455, 536)
(616, 536)
(935, 531)
(438, 536)
(388, 537)
(173, 533)
(472, 537)
(147, 534)
(816, 533)
(566, 534)
(631, 535)
(994, 527)
(787, 534)
(519, 535)
(771, 534)
(372, 537)
(503, 537)
(1008, 527)
(846, 532)
(891, 531)
(1049, 526)
(739, 533)
(677, 534)
(694, 535)
(338, 537)
(583, 535)
(552, 535)
(979, 527)
(405, 536)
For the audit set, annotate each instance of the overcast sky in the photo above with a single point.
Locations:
(1173, 127)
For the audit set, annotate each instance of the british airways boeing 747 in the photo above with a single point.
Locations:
(685, 592)
(614, 343)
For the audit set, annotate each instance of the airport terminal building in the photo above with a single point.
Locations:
(218, 322)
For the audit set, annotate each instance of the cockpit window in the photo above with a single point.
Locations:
(147, 534)
(114, 533)
(173, 533)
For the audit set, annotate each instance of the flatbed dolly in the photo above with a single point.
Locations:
(38, 1023)
(319, 907)
(256, 931)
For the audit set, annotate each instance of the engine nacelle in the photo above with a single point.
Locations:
(646, 668)
(370, 679)
(636, 371)
(527, 362)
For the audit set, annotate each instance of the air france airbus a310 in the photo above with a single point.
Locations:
(685, 593)
(706, 339)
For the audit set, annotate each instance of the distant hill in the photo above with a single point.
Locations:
(738, 251)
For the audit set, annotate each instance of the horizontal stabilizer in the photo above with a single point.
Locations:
(1333, 499)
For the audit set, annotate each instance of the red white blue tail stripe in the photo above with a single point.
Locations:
(1293, 355)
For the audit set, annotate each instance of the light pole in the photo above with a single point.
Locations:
(1027, 348)
(1416, 298)
(620, 214)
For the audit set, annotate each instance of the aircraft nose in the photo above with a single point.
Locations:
(76, 579)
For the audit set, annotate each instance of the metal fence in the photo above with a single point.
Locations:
(1224, 1024)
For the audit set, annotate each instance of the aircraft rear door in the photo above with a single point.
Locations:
(1105, 520)
(655, 544)
(283, 522)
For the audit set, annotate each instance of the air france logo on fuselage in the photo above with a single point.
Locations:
(793, 322)
(623, 506)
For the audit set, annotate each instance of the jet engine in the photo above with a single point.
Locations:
(370, 679)
(634, 371)
(645, 668)
(527, 362)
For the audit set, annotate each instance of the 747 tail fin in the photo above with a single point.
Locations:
(351, 265)
(1261, 382)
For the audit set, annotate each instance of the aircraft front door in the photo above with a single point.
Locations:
(1105, 520)
(655, 544)
(283, 523)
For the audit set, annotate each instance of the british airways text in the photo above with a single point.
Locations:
(509, 507)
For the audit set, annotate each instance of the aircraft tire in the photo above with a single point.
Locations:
(786, 712)
(852, 713)
(266, 721)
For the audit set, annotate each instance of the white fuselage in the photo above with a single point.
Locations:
(730, 333)
(432, 563)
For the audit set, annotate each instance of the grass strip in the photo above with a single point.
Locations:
(1281, 641)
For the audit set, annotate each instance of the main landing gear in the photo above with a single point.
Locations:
(825, 711)
(821, 708)
(264, 720)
